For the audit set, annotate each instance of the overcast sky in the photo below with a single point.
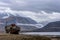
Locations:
(32, 5)
(39, 10)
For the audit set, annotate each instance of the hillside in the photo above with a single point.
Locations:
(7, 19)
(50, 27)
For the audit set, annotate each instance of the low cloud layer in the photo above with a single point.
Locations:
(41, 16)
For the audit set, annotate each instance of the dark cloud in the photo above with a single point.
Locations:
(34, 5)
(6, 1)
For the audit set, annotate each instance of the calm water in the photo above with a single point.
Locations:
(41, 33)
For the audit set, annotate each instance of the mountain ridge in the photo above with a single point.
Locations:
(10, 19)
(50, 27)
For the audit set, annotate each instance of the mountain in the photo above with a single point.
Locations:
(50, 27)
(3, 14)
(22, 20)
(7, 19)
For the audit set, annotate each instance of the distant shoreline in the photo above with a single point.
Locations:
(51, 34)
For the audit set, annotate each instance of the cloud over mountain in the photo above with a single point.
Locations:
(39, 17)
(39, 10)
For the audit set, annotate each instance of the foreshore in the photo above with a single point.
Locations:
(4, 36)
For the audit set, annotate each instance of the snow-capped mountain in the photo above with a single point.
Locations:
(28, 24)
